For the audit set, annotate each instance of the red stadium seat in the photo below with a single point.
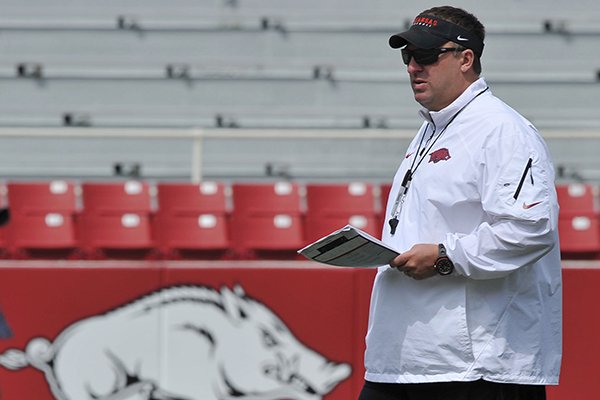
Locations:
(579, 221)
(340, 199)
(272, 236)
(3, 242)
(115, 221)
(4, 219)
(579, 236)
(113, 197)
(332, 206)
(46, 235)
(260, 198)
(184, 236)
(42, 220)
(577, 198)
(191, 220)
(318, 227)
(384, 193)
(26, 197)
(385, 190)
(266, 220)
(123, 235)
(191, 198)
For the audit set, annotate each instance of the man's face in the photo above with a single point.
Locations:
(437, 85)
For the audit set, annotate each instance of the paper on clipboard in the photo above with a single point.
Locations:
(350, 247)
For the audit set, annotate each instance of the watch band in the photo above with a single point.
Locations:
(442, 250)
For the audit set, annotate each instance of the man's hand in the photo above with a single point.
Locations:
(418, 261)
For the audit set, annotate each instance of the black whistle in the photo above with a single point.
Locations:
(393, 224)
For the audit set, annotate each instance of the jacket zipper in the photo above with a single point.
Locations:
(527, 169)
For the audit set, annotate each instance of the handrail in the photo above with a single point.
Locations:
(199, 135)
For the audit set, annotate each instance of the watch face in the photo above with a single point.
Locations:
(444, 266)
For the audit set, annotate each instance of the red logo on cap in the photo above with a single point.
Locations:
(424, 21)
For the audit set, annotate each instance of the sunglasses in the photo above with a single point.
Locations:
(425, 56)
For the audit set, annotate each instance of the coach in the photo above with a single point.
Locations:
(472, 307)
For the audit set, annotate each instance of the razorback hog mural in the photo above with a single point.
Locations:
(181, 343)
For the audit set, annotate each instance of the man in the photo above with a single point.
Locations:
(471, 309)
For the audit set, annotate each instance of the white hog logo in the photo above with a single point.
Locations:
(210, 345)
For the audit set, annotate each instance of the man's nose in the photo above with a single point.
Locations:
(413, 66)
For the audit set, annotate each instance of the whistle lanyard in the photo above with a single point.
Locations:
(421, 154)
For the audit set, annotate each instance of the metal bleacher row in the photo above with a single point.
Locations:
(214, 220)
(268, 65)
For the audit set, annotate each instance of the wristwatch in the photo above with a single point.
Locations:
(443, 265)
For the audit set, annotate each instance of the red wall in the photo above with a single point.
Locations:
(325, 308)
(581, 328)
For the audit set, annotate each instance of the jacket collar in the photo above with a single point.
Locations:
(441, 118)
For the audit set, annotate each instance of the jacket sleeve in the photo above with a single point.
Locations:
(519, 198)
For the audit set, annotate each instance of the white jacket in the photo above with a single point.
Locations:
(498, 316)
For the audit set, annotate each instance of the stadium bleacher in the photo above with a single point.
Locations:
(266, 64)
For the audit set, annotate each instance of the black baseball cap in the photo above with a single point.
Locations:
(428, 32)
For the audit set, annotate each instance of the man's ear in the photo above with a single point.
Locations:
(468, 58)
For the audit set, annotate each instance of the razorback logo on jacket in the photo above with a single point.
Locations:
(439, 155)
